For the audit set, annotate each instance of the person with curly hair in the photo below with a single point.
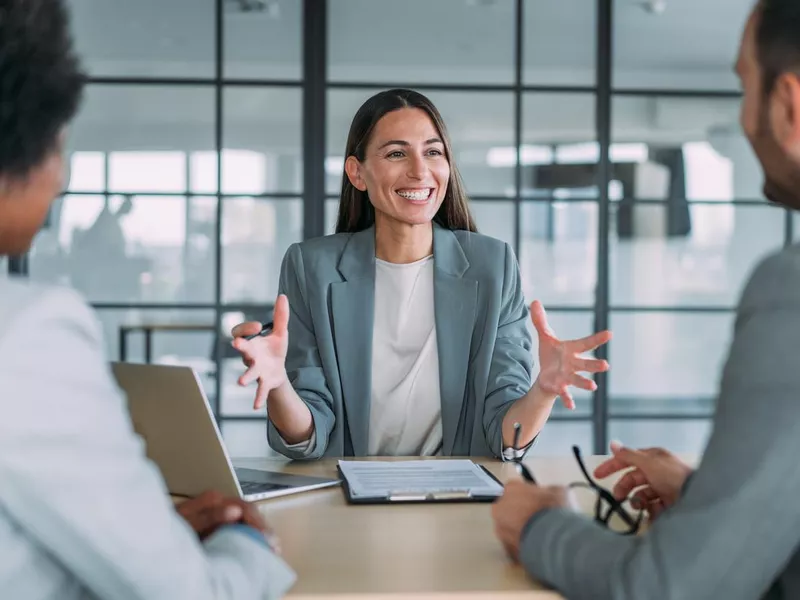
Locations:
(83, 513)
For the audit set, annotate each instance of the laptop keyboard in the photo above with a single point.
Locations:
(255, 487)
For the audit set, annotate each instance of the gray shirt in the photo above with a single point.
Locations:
(735, 532)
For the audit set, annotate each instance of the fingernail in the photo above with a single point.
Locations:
(233, 512)
(616, 444)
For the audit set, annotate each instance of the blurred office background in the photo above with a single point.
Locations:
(599, 138)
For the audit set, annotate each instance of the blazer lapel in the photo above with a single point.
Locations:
(352, 309)
(455, 302)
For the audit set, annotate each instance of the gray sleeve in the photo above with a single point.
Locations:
(511, 364)
(737, 525)
(303, 364)
(76, 479)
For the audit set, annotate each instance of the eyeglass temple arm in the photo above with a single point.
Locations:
(615, 504)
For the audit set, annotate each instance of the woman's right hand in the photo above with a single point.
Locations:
(264, 356)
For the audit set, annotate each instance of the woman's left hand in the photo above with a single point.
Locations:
(561, 362)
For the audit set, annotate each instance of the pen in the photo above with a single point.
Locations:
(265, 331)
(521, 469)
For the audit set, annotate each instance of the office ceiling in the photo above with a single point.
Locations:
(692, 44)
(121, 36)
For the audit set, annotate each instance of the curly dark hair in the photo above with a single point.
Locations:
(41, 82)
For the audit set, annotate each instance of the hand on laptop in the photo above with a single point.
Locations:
(211, 510)
(657, 475)
(265, 356)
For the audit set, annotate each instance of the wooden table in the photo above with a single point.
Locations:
(441, 552)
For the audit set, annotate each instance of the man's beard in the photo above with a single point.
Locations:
(781, 171)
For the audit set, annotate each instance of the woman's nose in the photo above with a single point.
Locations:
(417, 169)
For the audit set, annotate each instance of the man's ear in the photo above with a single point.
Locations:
(785, 112)
(352, 167)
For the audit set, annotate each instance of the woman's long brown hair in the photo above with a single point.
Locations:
(355, 210)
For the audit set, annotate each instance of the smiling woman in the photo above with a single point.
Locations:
(399, 149)
(408, 332)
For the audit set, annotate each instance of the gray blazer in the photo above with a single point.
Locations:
(482, 332)
(735, 532)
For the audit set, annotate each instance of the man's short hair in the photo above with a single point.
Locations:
(778, 40)
(41, 82)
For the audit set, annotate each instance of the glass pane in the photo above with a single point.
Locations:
(682, 437)
(331, 214)
(567, 326)
(558, 437)
(130, 248)
(706, 263)
(145, 132)
(560, 42)
(255, 236)
(667, 358)
(795, 225)
(559, 153)
(3, 267)
(691, 148)
(178, 337)
(478, 123)
(559, 252)
(495, 219)
(263, 39)
(459, 42)
(263, 146)
(146, 38)
(246, 439)
(691, 44)
(87, 172)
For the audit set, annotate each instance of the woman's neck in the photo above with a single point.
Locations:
(401, 243)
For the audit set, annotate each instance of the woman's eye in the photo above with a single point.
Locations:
(395, 154)
(435, 152)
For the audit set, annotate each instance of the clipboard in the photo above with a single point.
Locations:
(402, 497)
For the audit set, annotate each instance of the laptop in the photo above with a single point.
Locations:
(171, 413)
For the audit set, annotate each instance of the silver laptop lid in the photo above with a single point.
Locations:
(170, 411)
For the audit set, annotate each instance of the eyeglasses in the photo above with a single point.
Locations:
(608, 511)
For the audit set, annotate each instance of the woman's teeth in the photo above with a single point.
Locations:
(420, 195)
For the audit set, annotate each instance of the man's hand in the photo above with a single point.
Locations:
(519, 502)
(656, 474)
(211, 510)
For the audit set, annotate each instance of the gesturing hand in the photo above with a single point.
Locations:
(561, 361)
(657, 475)
(264, 356)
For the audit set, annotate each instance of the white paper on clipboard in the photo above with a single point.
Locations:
(386, 479)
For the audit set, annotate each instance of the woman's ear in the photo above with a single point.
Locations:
(352, 167)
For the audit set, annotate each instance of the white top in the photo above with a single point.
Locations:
(405, 412)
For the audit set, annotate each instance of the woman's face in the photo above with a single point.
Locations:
(405, 170)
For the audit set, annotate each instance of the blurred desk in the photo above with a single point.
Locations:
(148, 329)
(436, 552)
